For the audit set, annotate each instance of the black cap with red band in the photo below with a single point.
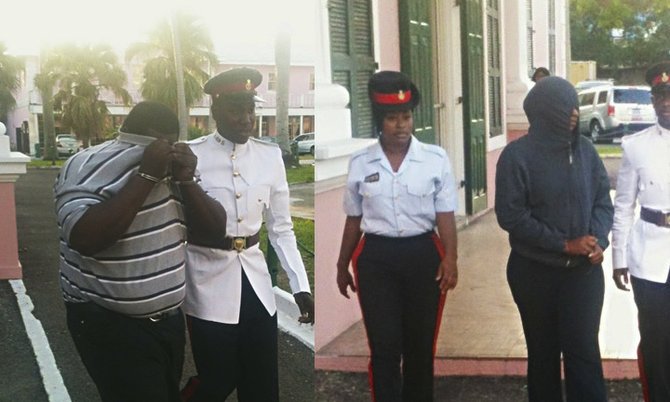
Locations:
(658, 76)
(392, 91)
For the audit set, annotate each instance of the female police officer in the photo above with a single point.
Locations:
(398, 191)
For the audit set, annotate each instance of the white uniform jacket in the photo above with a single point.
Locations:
(644, 176)
(249, 180)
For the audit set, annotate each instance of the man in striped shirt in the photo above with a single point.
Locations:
(125, 209)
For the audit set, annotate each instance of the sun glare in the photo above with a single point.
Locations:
(235, 26)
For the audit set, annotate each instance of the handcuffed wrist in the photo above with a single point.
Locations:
(149, 177)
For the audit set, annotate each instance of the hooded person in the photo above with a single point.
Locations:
(552, 197)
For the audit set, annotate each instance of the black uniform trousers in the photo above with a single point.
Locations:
(560, 310)
(129, 359)
(653, 311)
(401, 306)
(242, 356)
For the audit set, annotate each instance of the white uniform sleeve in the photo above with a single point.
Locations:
(624, 208)
(353, 201)
(446, 196)
(281, 235)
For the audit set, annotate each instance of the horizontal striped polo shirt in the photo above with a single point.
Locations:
(143, 272)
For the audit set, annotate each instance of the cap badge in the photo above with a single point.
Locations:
(248, 86)
(401, 95)
(664, 77)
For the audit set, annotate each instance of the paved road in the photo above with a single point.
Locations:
(38, 249)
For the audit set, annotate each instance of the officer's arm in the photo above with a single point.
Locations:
(448, 269)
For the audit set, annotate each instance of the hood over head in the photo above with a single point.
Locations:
(549, 105)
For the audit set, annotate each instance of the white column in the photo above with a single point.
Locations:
(516, 63)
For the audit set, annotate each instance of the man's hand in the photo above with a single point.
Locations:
(344, 281)
(184, 162)
(584, 245)
(305, 303)
(597, 256)
(447, 275)
(620, 277)
(156, 159)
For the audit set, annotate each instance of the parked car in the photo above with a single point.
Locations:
(582, 85)
(67, 145)
(607, 113)
(268, 138)
(305, 143)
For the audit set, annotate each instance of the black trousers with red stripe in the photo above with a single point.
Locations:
(653, 309)
(401, 306)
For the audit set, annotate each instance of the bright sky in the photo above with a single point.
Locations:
(242, 30)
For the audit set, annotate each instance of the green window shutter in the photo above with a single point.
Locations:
(494, 70)
(352, 57)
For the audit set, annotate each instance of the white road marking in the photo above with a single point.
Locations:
(51, 378)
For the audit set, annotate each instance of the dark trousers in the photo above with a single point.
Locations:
(653, 309)
(401, 306)
(242, 356)
(129, 359)
(560, 310)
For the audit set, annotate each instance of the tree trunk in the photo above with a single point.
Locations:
(283, 62)
(182, 112)
(45, 85)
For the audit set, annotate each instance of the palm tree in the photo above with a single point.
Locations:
(10, 70)
(45, 83)
(160, 83)
(81, 73)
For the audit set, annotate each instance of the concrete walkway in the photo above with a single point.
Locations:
(481, 331)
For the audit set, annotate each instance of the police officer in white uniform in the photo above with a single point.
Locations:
(230, 303)
(641, 247)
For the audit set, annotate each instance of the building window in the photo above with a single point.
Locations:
(529, 36)
(494, 68)
(311, 82)
(552, 36)
(272, 81)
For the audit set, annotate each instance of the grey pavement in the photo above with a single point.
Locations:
(20, 378)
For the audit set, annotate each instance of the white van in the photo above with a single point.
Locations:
(608, 112)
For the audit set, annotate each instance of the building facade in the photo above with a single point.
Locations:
(24, 125)
(472, 61)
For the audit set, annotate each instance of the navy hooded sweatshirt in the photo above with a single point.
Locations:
(551, 185)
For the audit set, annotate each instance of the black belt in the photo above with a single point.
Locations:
(94, 308)
(164, 314)
(240, 243)
(658, 218)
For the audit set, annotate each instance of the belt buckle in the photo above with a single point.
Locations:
(666, 219)
(157, 317)
(239, 243)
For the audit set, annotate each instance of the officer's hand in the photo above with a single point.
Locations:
(597, 256)
(305, 303)
(447, 274)
(184, 162)
(156, 159)
(620, 277)
(584, 245)
(344, 281)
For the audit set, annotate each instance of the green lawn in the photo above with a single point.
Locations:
(39, 163)
(608, 150)
(302, 174)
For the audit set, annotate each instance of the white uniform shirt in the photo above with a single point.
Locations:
(644, 176)
(249, 180)
(402, 203)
